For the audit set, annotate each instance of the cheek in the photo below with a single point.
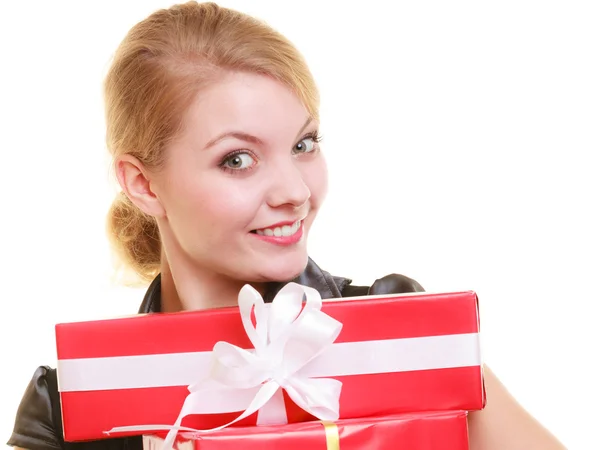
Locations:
(220, 205)
(230, 203)
(206, 200)
(316, 178)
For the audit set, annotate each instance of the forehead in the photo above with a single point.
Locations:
(252, 103)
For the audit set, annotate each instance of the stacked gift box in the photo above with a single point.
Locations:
(394, 371)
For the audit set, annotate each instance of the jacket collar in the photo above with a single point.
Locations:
(313, 276)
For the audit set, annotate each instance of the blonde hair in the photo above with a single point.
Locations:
(157, 71)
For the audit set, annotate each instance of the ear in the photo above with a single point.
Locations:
(136, 184)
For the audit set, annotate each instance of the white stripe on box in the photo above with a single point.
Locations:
(348, 358)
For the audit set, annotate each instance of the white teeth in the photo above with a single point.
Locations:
(286, 230)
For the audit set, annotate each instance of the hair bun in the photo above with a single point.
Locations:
(134, 237)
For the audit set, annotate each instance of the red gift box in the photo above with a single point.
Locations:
(446, 430)
(394, 354)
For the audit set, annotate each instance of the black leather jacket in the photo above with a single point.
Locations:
(38, 423)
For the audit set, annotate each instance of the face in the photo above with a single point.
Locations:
(243, 182)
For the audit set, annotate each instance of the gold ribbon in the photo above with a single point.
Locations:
(332, 435)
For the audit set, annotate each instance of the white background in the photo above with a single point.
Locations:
(462, 139)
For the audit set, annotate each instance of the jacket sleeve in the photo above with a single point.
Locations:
(395, 284)
(38, 424)
(35, 427)
(390, 284)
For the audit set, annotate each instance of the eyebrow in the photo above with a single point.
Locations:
(247, 137)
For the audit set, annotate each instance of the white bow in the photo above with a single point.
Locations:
(287, 336)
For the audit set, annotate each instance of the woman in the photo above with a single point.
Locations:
(212, 120)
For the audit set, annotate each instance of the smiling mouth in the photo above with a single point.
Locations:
(281, 231)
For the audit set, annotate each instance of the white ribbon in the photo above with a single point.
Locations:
(287, 336)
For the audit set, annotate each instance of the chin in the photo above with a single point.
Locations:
(282, 271)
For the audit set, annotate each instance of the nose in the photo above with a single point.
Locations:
(287, 186)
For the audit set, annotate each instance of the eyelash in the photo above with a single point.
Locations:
(231, 155)
(315, 136)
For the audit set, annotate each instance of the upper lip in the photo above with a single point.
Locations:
(281, 224)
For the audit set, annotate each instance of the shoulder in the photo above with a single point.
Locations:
(38, 422)
(393, 283)
(35, 427)
(335, 286)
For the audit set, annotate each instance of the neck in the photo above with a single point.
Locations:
(185, 286)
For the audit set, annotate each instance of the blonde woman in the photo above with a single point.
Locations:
(213, 124)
